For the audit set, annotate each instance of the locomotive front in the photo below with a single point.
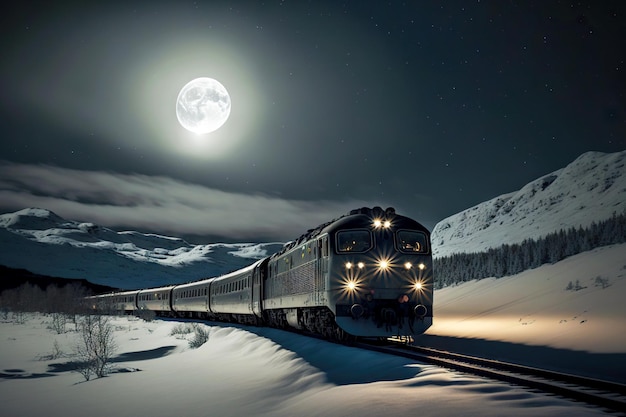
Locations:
(380, 272)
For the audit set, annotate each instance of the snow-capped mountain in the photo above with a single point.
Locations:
(42, 242)
(589, 189)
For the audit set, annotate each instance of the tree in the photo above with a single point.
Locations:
(95, 347)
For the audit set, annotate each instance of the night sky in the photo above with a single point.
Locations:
(429, 107)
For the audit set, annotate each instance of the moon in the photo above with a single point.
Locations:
(203, 105)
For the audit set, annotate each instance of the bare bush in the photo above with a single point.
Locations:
(56, 353)
(200, 336)
(95, 347)
(181, 330)
(59, 320)
(602, 282)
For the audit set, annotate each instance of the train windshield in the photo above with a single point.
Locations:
(354, 241)
(411, 241)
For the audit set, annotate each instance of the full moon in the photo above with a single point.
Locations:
(203, 105)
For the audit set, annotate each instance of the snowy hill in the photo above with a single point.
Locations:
(589, 189)
(43, 242)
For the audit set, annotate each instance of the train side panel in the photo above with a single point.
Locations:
(298, 277)
(125, 302)
(192, 297)
(232, 293)
(155, 299)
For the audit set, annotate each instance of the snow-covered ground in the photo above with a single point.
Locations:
(568, 316)
(244, 372)
(531, 318)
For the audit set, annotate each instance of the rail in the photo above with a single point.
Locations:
(605, 394)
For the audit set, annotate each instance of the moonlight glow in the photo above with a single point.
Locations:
(203, 105)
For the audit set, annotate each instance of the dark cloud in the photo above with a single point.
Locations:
(160, 203)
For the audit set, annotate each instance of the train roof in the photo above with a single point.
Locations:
(365, 213)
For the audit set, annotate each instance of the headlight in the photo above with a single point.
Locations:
(380, 223)
(351, 286)
(408, 265)
(383, 265)
(418, 286)
(421, 266)
(359, 265)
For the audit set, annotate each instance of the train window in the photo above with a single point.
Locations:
(354, 241)
(410, 241)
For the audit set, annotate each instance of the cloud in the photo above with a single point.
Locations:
(160, 204)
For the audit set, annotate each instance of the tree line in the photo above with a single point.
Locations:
(68, 311)
(510, 259)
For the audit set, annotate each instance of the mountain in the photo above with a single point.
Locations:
(590, 189)
(44, 243)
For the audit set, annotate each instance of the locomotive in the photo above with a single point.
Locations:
(368, 273)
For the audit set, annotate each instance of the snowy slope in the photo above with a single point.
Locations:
(589, 189)
(44, 243)
(251, 371)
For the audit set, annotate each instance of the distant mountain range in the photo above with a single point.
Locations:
(44, 243)
(590, 189)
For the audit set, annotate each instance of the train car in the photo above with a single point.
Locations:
(192, 299)
(231, 295)
(121, 302)
(366, 274)
(155, 299)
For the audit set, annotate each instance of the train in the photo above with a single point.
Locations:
(368, 273)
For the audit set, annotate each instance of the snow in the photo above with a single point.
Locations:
(243, 371)
(590, 189)
(530, 318)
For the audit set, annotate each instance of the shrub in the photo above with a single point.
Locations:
(200, 336)
(95, 347)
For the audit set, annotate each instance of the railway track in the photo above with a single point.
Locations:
(605, 394)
